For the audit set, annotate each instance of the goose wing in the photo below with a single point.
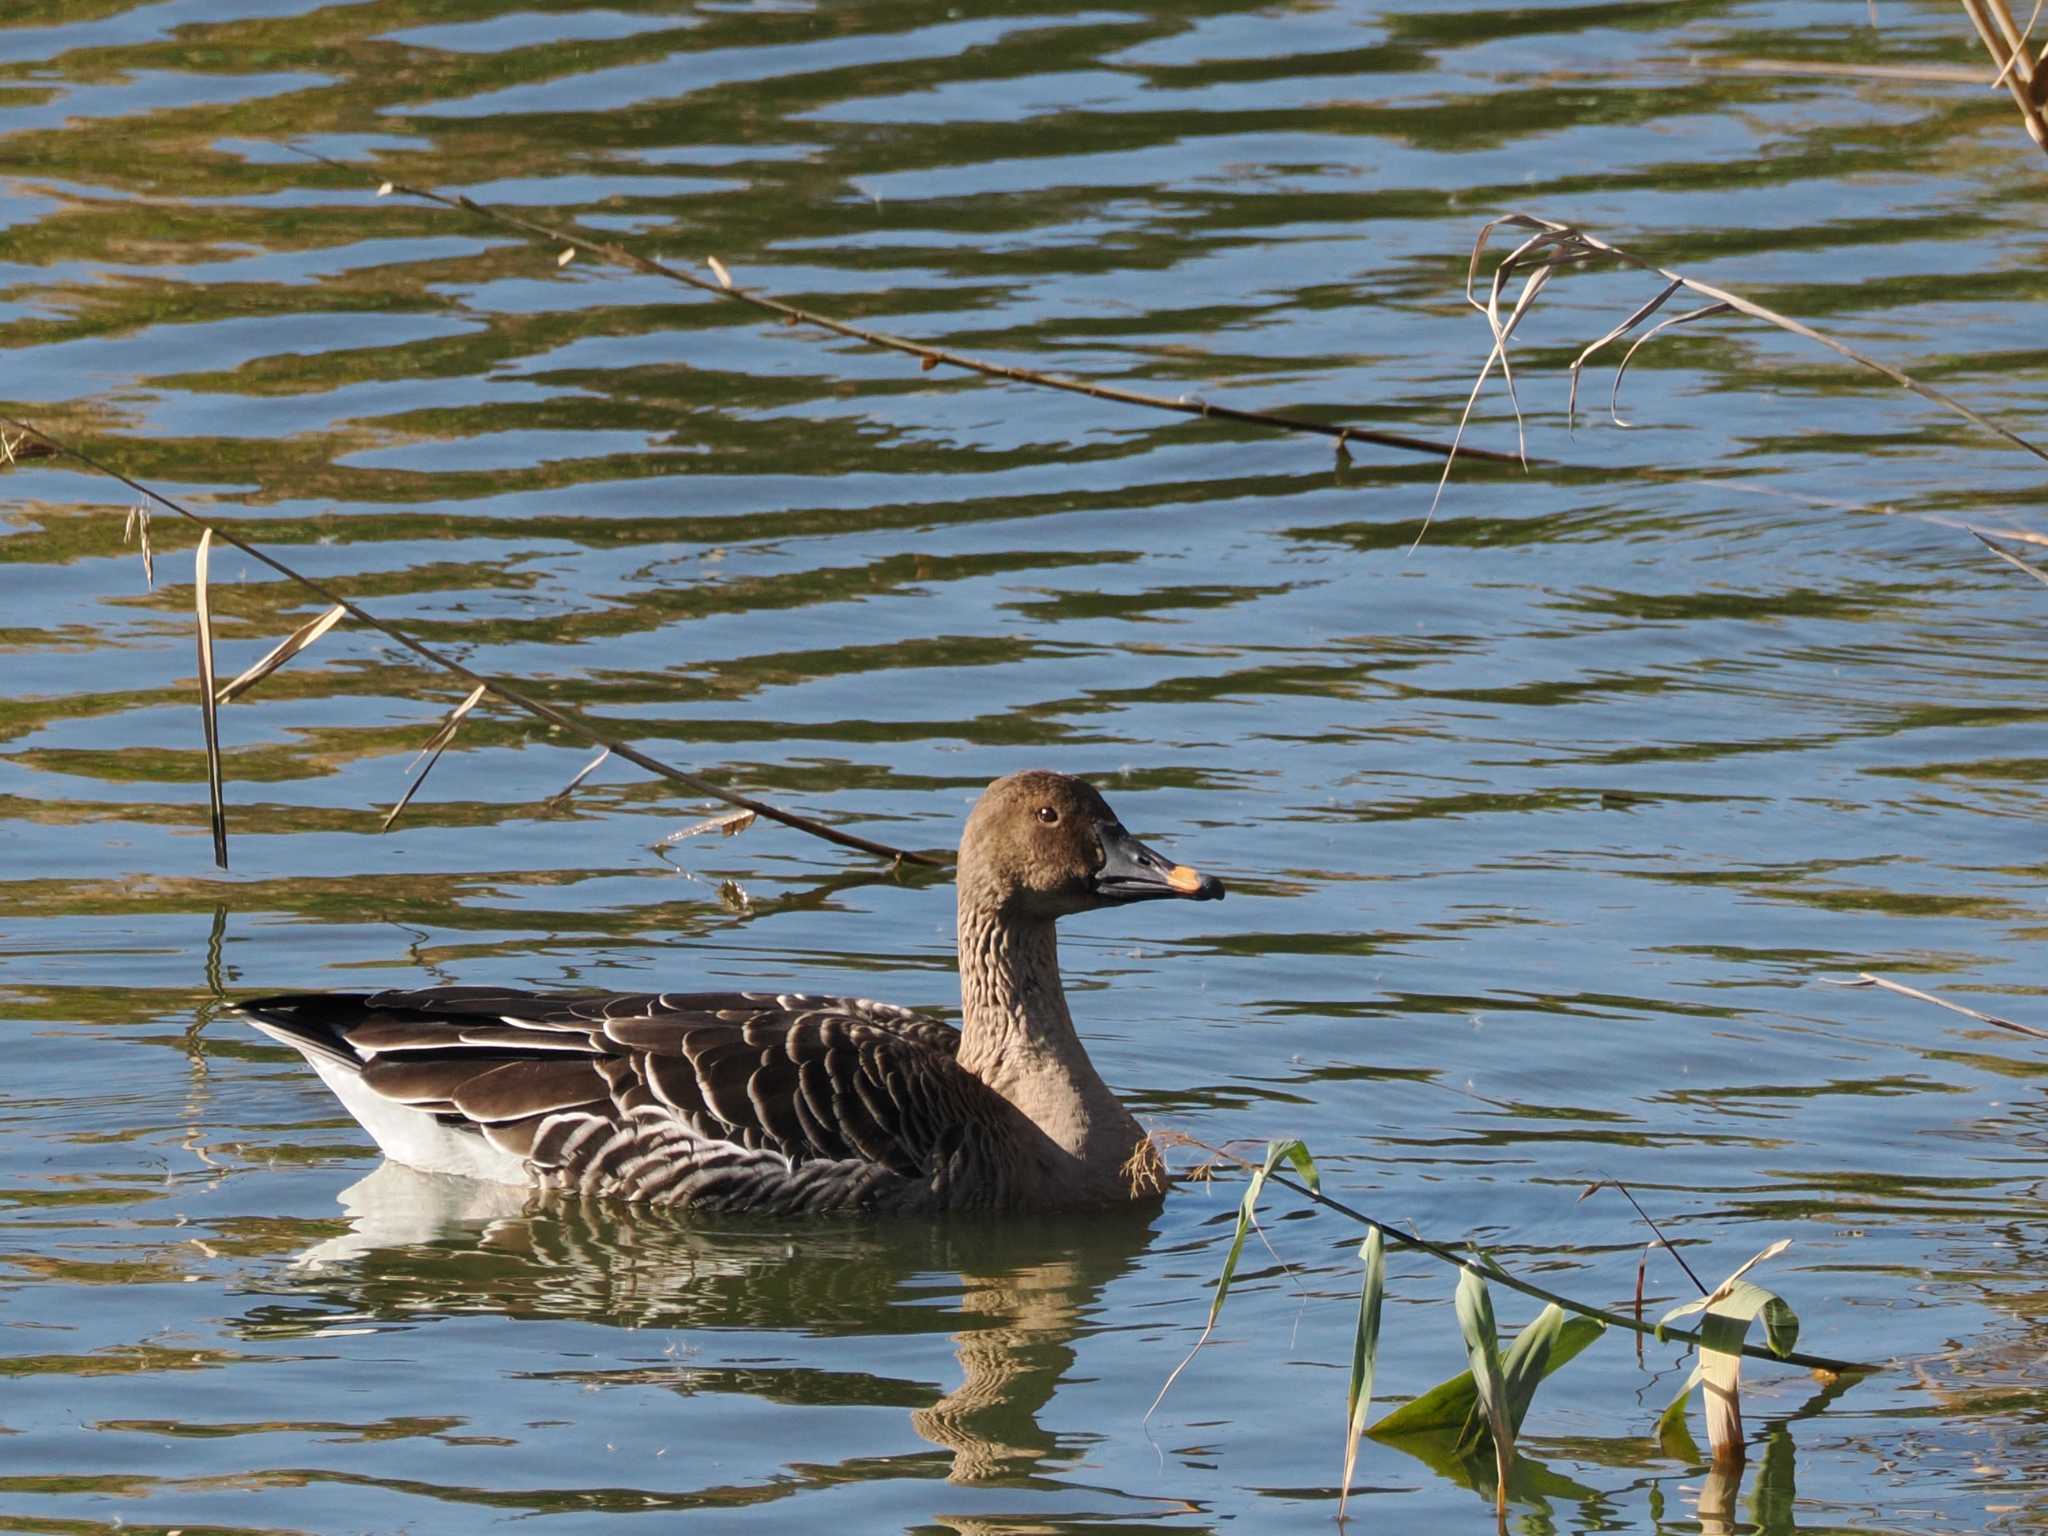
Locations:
(554, 1079)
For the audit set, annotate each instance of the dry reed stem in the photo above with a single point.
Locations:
(1912, 74)
(2019, 71)
(209, 719)
(2012, 559)
(1655, 1231)
(1552, 247)
(1865, 979)
(281, 653)
(2026, 34)
(568, 720)
(928, 356)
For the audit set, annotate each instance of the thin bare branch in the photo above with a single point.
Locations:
(721, 286)
(568, 720)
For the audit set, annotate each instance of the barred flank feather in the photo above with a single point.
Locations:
(729, 1101)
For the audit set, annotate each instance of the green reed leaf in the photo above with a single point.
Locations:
(1365, 1351)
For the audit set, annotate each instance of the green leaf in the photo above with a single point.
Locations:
(1297, 1154)
(1365, 1350)
(1482, 1348)
(1449, 1403)
(1672, 1431)
(1528, 1361)
(1728, 1311)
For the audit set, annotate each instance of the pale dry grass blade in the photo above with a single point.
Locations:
(209, 719)
(1647, 309)
(1704, 312)
(1865, 979)
(138, 523)
(2020, 52)
(731, 825)
(1733, 1305)
(1295, 1152)
(581, 774)
(435, 744)
(281, 653)
(2014, 560)
(1551, 246)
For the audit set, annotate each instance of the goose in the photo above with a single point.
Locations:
(784, 1103)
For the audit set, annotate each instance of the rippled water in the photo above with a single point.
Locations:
(1540, 834)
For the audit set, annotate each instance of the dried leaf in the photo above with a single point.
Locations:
(202, 610)
(568, 255)
(281, 653)
(386, 189)
(436, 744)
(718, 271)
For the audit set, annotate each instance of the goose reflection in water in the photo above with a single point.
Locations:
(430, 1244)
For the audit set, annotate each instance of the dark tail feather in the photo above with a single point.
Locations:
(311, 1022)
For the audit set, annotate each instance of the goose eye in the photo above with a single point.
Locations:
(1048, 815)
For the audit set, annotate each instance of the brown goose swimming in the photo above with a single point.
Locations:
(777, 1102)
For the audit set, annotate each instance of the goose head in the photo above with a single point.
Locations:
(1045, 845)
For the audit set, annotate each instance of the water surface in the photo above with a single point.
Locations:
(1541, 832)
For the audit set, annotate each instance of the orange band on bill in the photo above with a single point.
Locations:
(1181, 878)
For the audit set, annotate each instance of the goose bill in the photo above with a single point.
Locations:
(1132, 872)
